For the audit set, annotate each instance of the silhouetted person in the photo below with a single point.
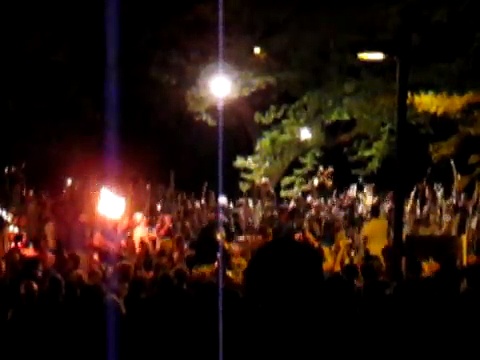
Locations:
(206, 245)
(283, 283)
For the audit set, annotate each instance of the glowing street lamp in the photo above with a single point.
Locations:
(372, 56)
(257, 50)
(111, 205)
(305, 134)
(402, 59)
(220, 86)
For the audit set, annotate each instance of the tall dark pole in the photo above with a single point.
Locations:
(403, 69)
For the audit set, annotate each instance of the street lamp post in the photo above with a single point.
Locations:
(220, 87)
(399, 194)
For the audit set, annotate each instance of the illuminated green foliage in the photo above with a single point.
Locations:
(326, 85)
(369, 105)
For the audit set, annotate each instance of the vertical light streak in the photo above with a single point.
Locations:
(220, 109)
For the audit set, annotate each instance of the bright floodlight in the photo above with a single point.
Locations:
(220, 86)
(371, 56)
(111, 205)
(305, 134)
(257, 50)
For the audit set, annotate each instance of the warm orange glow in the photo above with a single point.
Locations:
(138, 217)
(442, 104)
(111, 205)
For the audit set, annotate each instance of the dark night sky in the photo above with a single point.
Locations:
(52, 94)
(52, 77)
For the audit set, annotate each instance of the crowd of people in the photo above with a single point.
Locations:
(304, 280)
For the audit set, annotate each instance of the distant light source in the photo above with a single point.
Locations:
(220, 86)
(305, 134)
(222, 200)
(371, 56)
(257, 50)
(13, 229)
(138, 217)
(69, 182)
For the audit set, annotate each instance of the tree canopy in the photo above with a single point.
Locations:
(314, 80)
(368, 105)
(461, 144)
